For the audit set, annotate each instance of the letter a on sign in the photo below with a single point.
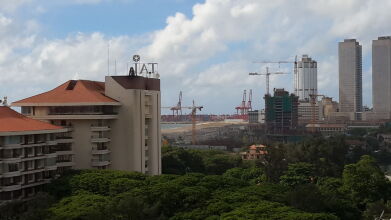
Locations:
(144, 67)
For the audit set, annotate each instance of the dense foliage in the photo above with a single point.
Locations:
(317, 179)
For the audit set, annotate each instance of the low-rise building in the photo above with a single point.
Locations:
(31, 153)
(327, 129)
(254, 152)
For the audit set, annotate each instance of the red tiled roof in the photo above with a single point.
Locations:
(73, 91)
(12, 121)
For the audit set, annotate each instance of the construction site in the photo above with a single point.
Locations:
(286, 116)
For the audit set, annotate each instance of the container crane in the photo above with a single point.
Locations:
(242, 106)
(178, 108)
(249, 106)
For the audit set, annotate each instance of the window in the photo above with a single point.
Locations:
(12, 140)
(26, 110)
(12, 167)
(29, 152)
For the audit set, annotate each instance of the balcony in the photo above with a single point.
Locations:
(99, 163)
(51, 167)
(64, 140)
(11, 146)
(100, 128)
(103, 151)
(11, 174)
(37, 183)
(33, 170)
(99, 139)
(65, 163)
(13, 187)
(65, 152)
(16, 159)
(51, 143)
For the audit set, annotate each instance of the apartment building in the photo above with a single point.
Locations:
(113, 124)
(30, 154)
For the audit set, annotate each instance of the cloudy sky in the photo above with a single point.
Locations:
(204, 48)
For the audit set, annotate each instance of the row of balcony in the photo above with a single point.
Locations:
(19, 185)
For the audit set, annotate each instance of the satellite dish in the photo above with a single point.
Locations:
(136, 58)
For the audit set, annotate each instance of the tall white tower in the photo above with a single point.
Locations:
(306, 78)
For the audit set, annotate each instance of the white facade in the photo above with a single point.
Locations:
(306, 78)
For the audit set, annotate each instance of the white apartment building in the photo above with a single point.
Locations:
(30, 154)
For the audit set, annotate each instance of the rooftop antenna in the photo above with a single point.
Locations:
(115, 67)
(108, 58)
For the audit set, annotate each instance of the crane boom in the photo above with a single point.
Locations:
(267, 74)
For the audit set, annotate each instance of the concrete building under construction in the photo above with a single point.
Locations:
(281, 112)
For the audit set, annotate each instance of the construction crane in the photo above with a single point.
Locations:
(313, 99)
(194, 109)
(178, 108)
(267, 74)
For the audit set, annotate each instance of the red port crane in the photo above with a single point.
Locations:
(243, 108)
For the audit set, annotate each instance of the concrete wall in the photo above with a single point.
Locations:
(130, 148)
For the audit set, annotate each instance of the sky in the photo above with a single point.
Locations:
(204, 48)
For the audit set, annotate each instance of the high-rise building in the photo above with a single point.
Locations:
(381, 77)
(350, 77)
(306, 78)
(114, 124)
(31, 153)
(281, 114)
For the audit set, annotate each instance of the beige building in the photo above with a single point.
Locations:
(350, 77)
(328, 107)
(31, 153)
(112, 125)
(305, 109)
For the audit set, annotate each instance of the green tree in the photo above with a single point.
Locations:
(364, 182)
(298, 174)
(83, 206)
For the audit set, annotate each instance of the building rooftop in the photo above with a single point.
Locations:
(73, 92)
(12, 121)
(137, 82)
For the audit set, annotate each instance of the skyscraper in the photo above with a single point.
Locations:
(306, 78)
(350, 76)
(381, 76)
